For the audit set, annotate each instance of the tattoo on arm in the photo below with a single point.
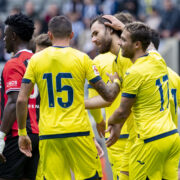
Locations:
(108, 92)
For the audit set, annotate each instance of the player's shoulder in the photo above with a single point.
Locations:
(77, 53)
(173, 77)
(172, 73)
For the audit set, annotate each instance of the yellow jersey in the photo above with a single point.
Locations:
(60, 74)
(105, 63)
(147, 81)
(174, 91)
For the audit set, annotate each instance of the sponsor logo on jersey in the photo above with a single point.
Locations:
(11, 83)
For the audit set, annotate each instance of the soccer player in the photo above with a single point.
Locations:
(174, 95)
(60, 73)
(18, 32)
(104, 63)
(146, 92)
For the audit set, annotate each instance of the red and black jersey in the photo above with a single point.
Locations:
(11, 79)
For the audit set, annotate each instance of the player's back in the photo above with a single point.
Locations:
(60, 74)
(150, 84)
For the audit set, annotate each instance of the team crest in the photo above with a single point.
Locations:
(96, 72)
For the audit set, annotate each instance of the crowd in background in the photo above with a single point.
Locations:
(161, 15)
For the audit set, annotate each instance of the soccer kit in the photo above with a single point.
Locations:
(64, 127)
(17, 164)
(151, 156)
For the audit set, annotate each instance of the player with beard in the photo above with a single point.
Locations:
(104, 63)
(18, 32)
(151, 157)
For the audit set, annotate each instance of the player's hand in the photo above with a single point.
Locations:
(2, 145)
(99, 149)
(25, 145)
(101, 128)
(114, 130)
(115, 23)
(112, 77)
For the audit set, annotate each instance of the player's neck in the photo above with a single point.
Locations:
(60, 42)
(137, 55)
(115, 48)
(21, 46)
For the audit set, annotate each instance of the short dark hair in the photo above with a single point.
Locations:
(139, 32)
(43, 40)
(100, 19)
(22, 25)
(155, 38)
(60, 26)
(125, 18)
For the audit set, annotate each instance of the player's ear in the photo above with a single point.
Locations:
(138, 44)
(71, 35)
(14, 36)
(50, 35)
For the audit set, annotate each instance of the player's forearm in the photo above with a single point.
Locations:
(118, 117)
(108, 92)
(96, 102)
(9, 117)
(21, 112)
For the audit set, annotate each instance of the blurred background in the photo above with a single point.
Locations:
(161, 15)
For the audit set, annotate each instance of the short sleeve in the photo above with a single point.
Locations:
(92, 73)
(131, 84)
(29, 74)
(12, 75)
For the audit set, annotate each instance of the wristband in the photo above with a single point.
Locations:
(22, 132)
(2, 135)
(117, 81)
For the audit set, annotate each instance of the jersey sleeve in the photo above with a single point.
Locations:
(29, 74)
(131, 84)
(13, 74)
(92, 73)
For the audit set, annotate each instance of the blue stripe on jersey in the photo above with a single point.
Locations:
(65, 135)
(24, 80)
(94, 177)
(94, 80)
(121, 136)
(144, 55)
(128, 95)
(161, 136)
(60, 46)
(89, 86)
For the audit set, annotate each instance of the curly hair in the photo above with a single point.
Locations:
(22, 25)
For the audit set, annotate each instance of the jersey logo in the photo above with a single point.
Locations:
(96, 72)
(11, 83)
(127, 73)
(140, 162)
